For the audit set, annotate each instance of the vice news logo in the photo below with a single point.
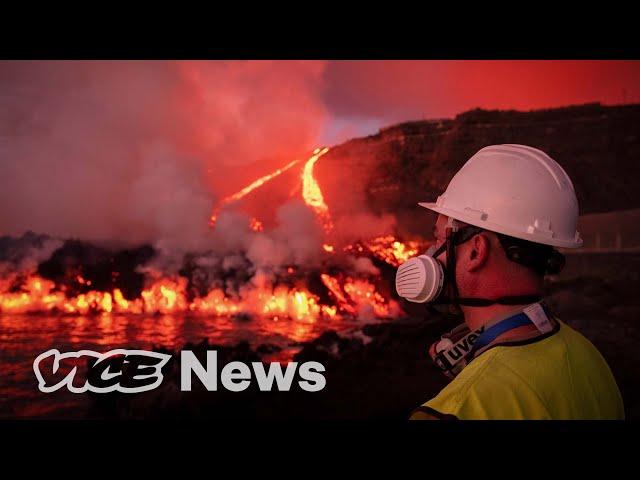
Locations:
(136, 371)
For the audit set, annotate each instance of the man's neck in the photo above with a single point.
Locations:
(475, 317)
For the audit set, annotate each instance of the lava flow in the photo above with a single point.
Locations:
(248, 189)
(169, 295)
(311, 192)
(336, 291)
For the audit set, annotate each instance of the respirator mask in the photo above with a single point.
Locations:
(425, 279)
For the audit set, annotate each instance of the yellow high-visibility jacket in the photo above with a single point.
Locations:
(558, 376)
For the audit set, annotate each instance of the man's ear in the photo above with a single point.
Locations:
(479, 251)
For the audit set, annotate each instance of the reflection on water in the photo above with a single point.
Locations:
(23, 337)
(78, 326)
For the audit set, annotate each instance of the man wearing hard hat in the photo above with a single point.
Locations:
(499, 222)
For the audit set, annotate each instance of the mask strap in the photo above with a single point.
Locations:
(456, 235)
(451, 267)
(511, 300)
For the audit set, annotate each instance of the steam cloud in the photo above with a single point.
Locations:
(134, 152)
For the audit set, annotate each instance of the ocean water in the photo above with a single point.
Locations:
(24, 337)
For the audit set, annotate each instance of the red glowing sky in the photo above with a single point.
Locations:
(364, 95)
(142, 150)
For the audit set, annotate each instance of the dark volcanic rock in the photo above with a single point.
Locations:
(14, 250)
(403, 164)
(267, 348)
(105, 269)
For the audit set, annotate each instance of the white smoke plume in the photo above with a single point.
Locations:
(140, 151)
(24, 258)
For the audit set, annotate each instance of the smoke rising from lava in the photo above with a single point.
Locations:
(135, 152)
(149, 152)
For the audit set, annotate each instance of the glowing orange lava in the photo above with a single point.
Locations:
(388, 249)
(355, 295)
(311, 192)
(168, 295)
(256, 225)
(248, 189)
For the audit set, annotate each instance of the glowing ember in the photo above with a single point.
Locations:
(248, 189)
(333, 286)
(311, 192)
(388, 249)
(357, 295)
(328, 248)
(256, 225)
(363, 294)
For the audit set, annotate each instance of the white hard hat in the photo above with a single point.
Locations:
(516, 190)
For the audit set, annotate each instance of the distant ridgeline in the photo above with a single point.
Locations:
(598, 146)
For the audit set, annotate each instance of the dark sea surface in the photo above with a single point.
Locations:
(24, 337)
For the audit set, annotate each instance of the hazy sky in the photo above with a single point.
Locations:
(364, 95)
(143, 150)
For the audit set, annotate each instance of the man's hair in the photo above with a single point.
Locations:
(539, 258)
(542, 259)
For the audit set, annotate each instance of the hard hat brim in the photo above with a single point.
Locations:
(471, 220)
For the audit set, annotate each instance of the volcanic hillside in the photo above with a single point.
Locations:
(391, 171)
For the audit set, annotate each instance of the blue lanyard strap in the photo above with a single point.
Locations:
(489, 335)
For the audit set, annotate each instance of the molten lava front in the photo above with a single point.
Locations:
(338, 292)
(170, 296)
